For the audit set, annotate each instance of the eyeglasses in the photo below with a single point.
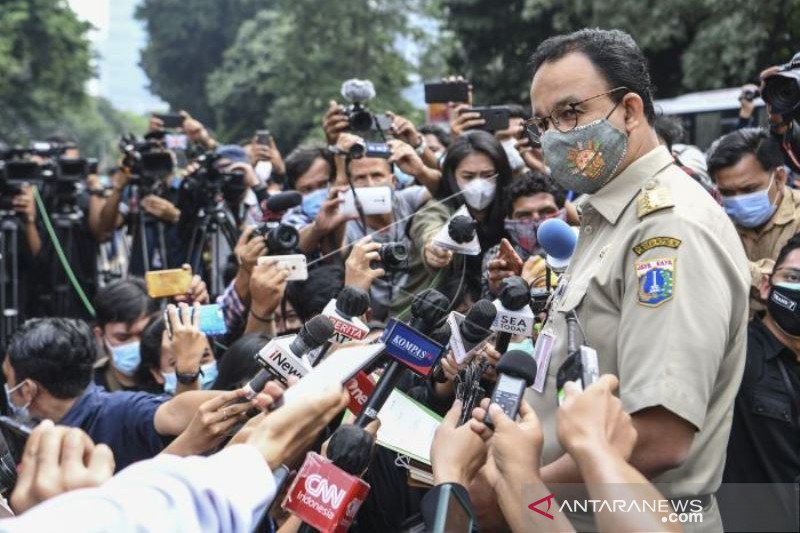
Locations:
(564, 118)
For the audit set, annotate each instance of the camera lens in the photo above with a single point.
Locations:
(282, 239)
(357, 151)
(394, 255)
(360, 120)
(782, 93)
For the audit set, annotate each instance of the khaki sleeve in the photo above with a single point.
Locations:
(758, 269)
(426, 223)
(677, 310)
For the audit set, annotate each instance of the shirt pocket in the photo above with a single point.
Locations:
(774, 406)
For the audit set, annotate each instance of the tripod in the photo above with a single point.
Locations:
(66, 225)
(140, 221)
(213, 223)
(9, 275)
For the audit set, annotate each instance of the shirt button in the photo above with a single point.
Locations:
(651, 184)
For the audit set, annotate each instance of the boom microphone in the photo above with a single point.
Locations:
(558, 241)
(283, 201)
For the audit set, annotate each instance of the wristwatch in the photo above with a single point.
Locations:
(187, 378)
(420, 148)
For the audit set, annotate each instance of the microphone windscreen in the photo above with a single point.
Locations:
(478, 320)
(352, 301)
(557, 238)
(518, 364)
(356, 90)
(351, 449)
(442, 334)
(284, 200)
(461, 229)
(428, 309)
(316, 331)
(514, 293)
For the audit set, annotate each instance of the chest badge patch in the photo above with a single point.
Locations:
(656, 281)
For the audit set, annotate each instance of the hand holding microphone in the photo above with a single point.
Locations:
(457, 452)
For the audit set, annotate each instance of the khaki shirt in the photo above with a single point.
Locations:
(667, 316)
(763, 244)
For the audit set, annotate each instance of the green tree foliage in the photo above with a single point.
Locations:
(186, 41)
(288, 62)
(44, 63)
(690, 44)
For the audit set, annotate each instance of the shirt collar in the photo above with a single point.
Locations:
(82, 408)
(772, 346)
(614, 197)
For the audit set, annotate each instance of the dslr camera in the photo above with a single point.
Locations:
(281, 239)
(782, 90)
(203, 187)
(358, 92)
(393, 257)
(147, 159)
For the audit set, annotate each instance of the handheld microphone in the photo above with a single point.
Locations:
(324, 496)
(459, 235)
(516, 370)
(360, 387)
(581, 364)
(343, 311)
(408, 345)
(468, 332)
(558, 241)
(282, 356)
(514, 315)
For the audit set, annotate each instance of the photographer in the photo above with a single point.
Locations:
(780, 90)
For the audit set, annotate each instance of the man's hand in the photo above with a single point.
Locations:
(512, 445)
(533, 157)
(263, 152)
(329, 218)
(746, 106)
(248, 250)
(195, 130)
(334, 123)
(463, 120)
(404, 156)
(161, 208)
(358, 271)
(404, 130)
(284, 434)
(346, 141)
(57, 460)
(25, 205)
(198, 290)
(594, 419)
(216, 417)
(436, 257)
(534, 271)
(120, 179)
(267, 285)
(457, 453)
(188, 343)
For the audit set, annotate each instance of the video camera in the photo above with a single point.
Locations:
(203, 187)
(782, 90)
(360, 118)
(147, 159)
(281, 239)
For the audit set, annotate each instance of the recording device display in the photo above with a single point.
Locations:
(358, 92)
(295, 264)
(211, 321)
(176, 141)
(782, 90)
(170, 121)
(453, 513)
(370, 149)
(393, 257)
(446, 92)
(558, 240)
(496, 117)
(171, 282)
(516, 370)
(374, 201)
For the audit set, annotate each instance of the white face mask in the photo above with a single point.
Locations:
(479, 193)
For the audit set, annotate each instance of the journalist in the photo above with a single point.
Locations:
(748, 168)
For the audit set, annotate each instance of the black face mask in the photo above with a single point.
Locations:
(783, 305)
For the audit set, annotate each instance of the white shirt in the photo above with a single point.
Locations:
(227, 491)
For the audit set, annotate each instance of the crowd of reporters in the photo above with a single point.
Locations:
(123, 395)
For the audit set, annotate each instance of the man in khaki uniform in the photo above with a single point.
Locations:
(748, 168)
(658, 281)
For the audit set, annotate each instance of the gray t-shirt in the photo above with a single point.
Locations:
(404, 204)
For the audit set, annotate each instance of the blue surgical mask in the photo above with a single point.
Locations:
(209, 375)
(170, 382)
(403, 180)
(126, 357)
(17, 413)
(312, 202)
(525, 346)
(750, 210)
